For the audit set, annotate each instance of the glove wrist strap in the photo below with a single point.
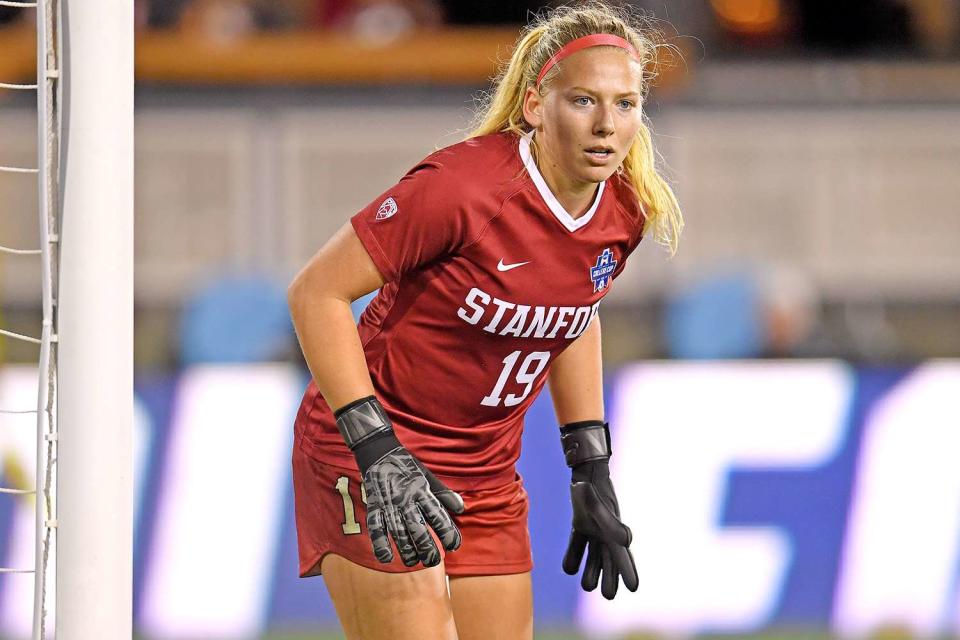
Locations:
(587, 441)
(362, 420)
(367, 430)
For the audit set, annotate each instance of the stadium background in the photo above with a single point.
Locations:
(782, 392)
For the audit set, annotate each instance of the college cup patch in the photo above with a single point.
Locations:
(387, 208)
(601, 272)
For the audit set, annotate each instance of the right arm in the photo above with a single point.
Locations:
(399, 489)
(319, 299)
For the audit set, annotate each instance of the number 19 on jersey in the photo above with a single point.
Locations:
(526, 374)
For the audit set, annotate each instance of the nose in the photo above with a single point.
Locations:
(603, 125)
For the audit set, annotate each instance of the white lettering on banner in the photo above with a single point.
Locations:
(685, 427)
(901, 550)
(18, 461)
(228, 470)
(678, 431)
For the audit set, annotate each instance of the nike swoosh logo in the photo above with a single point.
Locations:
(507, 267)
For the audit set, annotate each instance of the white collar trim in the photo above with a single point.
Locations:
(571, 223)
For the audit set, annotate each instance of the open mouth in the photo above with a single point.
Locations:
(599, 153)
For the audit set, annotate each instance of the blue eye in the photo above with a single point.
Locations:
(582, 101)
(626, 104)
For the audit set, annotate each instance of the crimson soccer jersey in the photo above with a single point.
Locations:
(488, 279)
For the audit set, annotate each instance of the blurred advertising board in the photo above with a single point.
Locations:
(761, 495)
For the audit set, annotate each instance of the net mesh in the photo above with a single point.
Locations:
(48, 101)
(48, 89)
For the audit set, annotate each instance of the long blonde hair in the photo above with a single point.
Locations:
(539, 41)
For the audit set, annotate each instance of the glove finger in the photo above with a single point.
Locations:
(378, 535)
(574, 555)
(408, 553)
(611, 577)
(426, 548)
(591, 573)
(449, 498)
(623, 561)
(441, 522)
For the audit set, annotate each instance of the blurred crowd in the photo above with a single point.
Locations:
(273, 15)
(851, 27)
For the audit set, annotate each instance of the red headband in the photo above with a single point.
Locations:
(596, 40)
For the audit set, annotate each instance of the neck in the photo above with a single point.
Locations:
(575, 196)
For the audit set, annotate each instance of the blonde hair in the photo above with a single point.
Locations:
(539, 41)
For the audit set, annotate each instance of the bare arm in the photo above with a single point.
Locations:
(319, 299)
(576, 379)
(576, 384)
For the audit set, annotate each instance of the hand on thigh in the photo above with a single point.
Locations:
(375, 605)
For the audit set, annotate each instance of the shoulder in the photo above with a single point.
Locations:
(494, 148)
(476, 166)
(474, 177)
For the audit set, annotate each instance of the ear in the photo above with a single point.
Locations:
(533, 108)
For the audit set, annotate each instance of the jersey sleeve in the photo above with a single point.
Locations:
(415, 222)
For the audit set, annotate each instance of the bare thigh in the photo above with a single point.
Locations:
(493, 607)
(373, 605)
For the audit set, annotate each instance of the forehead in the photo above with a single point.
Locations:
(601, 69)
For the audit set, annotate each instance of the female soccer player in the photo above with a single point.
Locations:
(492, 257)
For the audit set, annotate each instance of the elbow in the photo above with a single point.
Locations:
(305, 293)
(309, 290)
(293, 291)
(295, 295)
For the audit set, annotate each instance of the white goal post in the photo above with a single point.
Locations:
(95, 323)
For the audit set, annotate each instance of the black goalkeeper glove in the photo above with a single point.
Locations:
(596, 513)
(403, 496)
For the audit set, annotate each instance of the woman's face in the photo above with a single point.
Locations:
(589, 115)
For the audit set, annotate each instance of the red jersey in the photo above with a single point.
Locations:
(488, 279)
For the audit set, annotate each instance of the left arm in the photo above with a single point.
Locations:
(576, 379)
(576, 385)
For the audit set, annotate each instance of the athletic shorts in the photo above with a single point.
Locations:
(331, 518)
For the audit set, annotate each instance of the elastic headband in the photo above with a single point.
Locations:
(596, 40)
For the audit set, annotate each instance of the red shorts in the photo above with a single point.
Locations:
(332, 518)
